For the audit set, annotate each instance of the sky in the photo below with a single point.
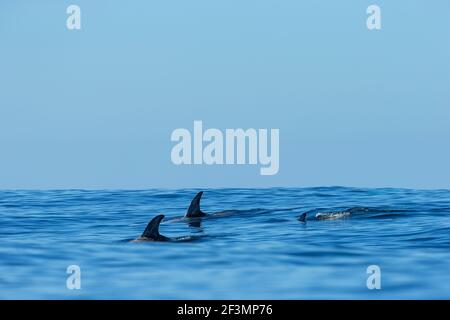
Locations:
(95, 108)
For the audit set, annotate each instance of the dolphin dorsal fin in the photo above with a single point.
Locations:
(152, 230)
(302, 217)
(194, 208)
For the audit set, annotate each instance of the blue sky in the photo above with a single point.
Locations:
(95, 108)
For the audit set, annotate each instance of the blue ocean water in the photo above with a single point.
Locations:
(258, 250)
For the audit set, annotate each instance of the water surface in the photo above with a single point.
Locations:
(259, 251)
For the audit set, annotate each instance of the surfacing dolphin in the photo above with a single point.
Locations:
(151, 232)
(321, 214)
(194, 214)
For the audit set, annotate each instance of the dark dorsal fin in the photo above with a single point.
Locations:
(152, 230)
(194, 209)
(302, 217)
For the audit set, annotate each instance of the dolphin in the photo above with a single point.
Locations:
(324, 214)
(194, 214)
(151, 233)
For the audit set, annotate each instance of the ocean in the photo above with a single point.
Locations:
(258, 249)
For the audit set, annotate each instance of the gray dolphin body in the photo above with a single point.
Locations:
(151, 233)
(323, 214)
(194, 214)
